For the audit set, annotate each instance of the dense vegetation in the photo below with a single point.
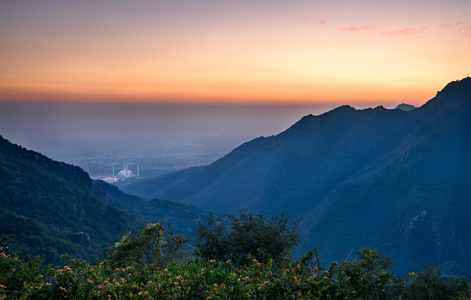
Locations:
(54, 208)
(138, 269)
(180, 217)
(391, 180)
(236, 238)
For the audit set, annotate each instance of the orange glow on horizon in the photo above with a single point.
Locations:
(240, 52)
(226, 94)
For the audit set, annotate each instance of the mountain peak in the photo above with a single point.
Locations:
(342, 108)
(458, 84)
(455, 94)
(405, 107)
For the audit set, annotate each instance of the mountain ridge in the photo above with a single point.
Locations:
(374, 167)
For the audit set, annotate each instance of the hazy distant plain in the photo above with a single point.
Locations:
(161, 137)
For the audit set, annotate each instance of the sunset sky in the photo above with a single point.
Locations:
(217, 51)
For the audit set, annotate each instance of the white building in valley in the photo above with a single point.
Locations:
(126, 173)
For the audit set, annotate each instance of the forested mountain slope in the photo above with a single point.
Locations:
(54, 208)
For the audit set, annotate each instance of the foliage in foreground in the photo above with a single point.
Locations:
(363, 278)
(149, 265)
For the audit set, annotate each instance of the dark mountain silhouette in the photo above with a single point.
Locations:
(54, 208)
(405, 107)
(394, 180)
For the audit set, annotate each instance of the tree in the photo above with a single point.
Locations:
(228, 237)
(5, 243)
(428, 284)
(368, 276)
(151, 246)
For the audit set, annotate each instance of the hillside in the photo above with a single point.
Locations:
(54, 208)
(393, 180)
(178, 217)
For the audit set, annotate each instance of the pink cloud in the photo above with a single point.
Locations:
(465, 28)
(403, 31)
(358, 28)
(312, 21)
(417, 18)
(452, 25)
(460, 27)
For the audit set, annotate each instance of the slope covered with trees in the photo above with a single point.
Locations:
(54, 208)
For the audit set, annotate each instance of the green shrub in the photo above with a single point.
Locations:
(229, 237)
(17, 273)
(151, 246)
(429, 284)
(139, 268)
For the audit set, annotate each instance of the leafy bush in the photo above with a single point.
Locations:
(429, 284)
(366, 277)
(151, 246)
(148, 265)
(16, 272)
(228, 237)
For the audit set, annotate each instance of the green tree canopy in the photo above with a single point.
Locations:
(228, 237)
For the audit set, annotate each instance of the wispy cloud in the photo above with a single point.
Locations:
(359, 28)
(460, 27)
(375, 30)
(315, 21)
(406, 31)
(464, 30)
(452, 25)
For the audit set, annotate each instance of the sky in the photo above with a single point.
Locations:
(283, 52)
